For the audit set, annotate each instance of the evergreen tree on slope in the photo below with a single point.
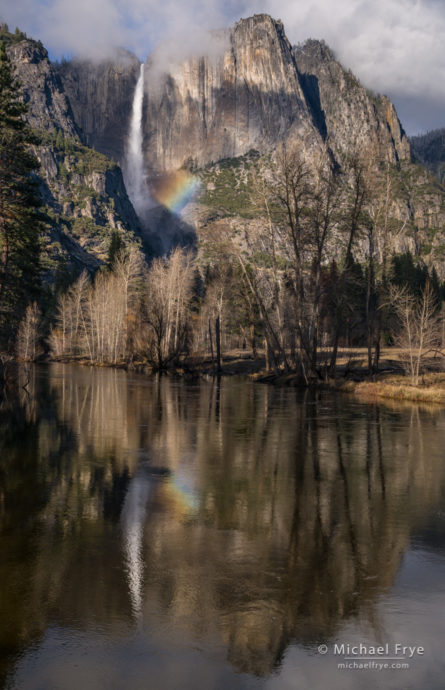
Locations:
(20, 219)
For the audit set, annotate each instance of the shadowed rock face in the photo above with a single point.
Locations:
(254, 92)
(49, 108)
(206, 108)
(101, 96)
(348, 114)
(83, 191)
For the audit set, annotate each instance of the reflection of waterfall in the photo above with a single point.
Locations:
(135, 179)
(133, 520)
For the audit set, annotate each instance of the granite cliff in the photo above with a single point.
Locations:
(211, 114)
(83, 190)
(100, 94)
(259, 92)
(254, 92)
(348, 115)
(207, 109)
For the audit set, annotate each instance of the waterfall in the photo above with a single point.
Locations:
(135, 178)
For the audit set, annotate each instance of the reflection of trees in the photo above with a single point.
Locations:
(304, 516)
(53, 500)
(284, 515)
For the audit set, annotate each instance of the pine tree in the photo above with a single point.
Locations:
(115, 248)
(20, 219)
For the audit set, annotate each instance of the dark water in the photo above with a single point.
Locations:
(165, 535)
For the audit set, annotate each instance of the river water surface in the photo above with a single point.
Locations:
(159, 534)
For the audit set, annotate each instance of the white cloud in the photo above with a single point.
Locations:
(92, 28)
(394, 46)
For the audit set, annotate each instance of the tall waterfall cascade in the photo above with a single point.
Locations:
(158, 215)
(134, 169)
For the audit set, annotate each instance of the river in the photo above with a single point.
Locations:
(162, 534)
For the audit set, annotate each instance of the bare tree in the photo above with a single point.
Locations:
(28, 335)
(383, 230)
(419, 328)
(309, 196)
(169, 290)
(354, 196)
(93, 317)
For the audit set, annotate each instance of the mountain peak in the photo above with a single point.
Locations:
(260, 19)
(261, 28)
(316, 50)
(28, 51)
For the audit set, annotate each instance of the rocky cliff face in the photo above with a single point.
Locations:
(86, 201)
(347, 114)
(261, 92)
(258, 92)
(206, 109)
(83, 190)
(253, 93)
(49, 107)
(101, 96)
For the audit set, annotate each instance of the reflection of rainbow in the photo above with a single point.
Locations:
(180, 494)
(176, 190)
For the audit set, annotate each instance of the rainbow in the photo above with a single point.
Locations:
(176, 190)
(180, 494)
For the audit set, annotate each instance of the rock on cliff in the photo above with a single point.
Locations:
(208, 108)
(346, 113)
(49, 108)
(83, 190)
(101, 95)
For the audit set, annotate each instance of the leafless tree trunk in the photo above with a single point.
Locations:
(218, 343)
(419, 330)
(169, 290)
(28, 334)
(92, 319)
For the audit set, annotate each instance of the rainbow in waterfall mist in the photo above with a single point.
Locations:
(176, 190)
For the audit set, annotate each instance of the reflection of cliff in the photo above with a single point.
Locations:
(303, 517)
(280, 517)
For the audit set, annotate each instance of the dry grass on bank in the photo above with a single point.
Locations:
(352, 377)
(431, 391)
(395, 386)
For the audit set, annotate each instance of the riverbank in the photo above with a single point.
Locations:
(380, 385)
(389, 382)
(351, 375)
(431, 390)
(234, 363)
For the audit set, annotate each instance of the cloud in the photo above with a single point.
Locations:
(93, 28)
(394, 46)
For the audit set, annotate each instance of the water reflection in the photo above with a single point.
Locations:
(133, 520)
(237, 517)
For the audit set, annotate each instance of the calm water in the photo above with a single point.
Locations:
(165, 535)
